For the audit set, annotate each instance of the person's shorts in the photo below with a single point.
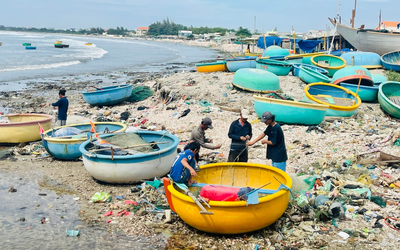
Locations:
(280, 165)
(184, 176)
(62, 122)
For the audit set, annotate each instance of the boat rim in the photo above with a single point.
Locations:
(165, 133)
(252, 90)
(233, 204)
(273, 62)
(315, 73)
(332, 106)
(383, 95)
(110, 88)
(328, 67)
(47, 118)
(59, 140)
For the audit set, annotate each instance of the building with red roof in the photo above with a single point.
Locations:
(142, 31)
(390, 26)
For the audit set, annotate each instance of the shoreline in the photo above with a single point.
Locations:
(310, 153)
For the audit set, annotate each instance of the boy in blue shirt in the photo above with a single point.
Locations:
(182, 169)
(62, 105)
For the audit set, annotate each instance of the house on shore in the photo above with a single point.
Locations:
(142, 31)
(184, 33)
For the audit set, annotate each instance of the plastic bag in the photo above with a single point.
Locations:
(101, 197)
(67, 132)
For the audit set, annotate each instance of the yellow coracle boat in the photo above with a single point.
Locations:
(23, 127)
(234, 217)
(211, 67)
(58, 42)
(88, 43)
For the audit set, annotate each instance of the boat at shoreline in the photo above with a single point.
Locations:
(389, 98)
(256, 80)
(233, 65)
(233, 217)
(211, 67)
(126, 164)
(329, 62)
(66, 145)
(23, 127)
(109, 95)
(368, 40)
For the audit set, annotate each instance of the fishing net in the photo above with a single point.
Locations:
(130, 140)
(140, 93)
(68, 131)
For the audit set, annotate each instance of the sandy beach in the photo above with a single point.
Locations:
(213, 95)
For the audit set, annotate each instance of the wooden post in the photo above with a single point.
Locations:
(294, 43)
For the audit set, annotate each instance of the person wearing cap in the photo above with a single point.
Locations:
(198, 134)
(183, 168)
(240, 131)
(276, 149)
(62, 105)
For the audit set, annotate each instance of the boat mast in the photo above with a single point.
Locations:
(353, 14)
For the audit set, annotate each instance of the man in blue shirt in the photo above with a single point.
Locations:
(182, 169)
(276, 149)
(62, 105)
(240, 131)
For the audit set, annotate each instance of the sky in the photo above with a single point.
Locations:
(262, 15)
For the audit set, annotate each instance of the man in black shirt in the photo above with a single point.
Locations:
(62, 105)
(276, 149)
(240, 131)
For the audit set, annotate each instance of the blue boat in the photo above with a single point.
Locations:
(30, 47)
(256, 80)
(63, 142)
(239, 63)
(291, 112)
(279, 68)
(342, 102)
(127, 164)
(309, 75)
(353, 74)
(391, 60)
(296, 69)
(108, 95)
(275, 52)
(366, 93)
(367, 60)
(389, 98)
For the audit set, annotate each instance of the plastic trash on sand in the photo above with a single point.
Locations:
(101, 197)
(73, 233)
(67, 132)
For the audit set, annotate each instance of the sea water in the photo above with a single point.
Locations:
(18, 64)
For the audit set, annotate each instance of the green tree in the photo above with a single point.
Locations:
(242, 33)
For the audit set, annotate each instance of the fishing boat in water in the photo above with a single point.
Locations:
(63, 142)
(26, 44)
(389, 98)
(130, 157)
(270, 196)
(368, 40)
(109, 95)
(294, 111)
(30, 47)
(256, 80)
(341, 101)
(23, 127)
(391, 60)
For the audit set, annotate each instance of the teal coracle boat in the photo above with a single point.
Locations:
(256, 80)
(367, 60)
(378, 78)
(309, 75)
(352, 75)
(391, 60)
(389, 98)
(279, 68)
(233, 65)
(366, 93)
(342, 102)
(296, 69)
(328, 62)
(291, 112)
(109, 95)
(275, 52)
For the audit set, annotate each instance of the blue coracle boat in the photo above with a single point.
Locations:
(295, 112)
(353, 74)
(63, 142)
(132, 166)
(256, 80)
(279, 68)
(309, 75)
(109, 95)
(367, 60)
(239, 63)
(366, 93)
(389, 98)
(391, 60)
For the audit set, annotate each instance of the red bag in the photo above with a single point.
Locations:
(219, 193)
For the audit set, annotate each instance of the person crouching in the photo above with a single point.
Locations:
(183, 168)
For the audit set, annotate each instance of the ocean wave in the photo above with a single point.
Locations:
(41, 66)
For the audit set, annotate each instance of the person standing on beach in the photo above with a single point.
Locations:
(183, 168)
(276, 149)
(240, 131)
(62, 105)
